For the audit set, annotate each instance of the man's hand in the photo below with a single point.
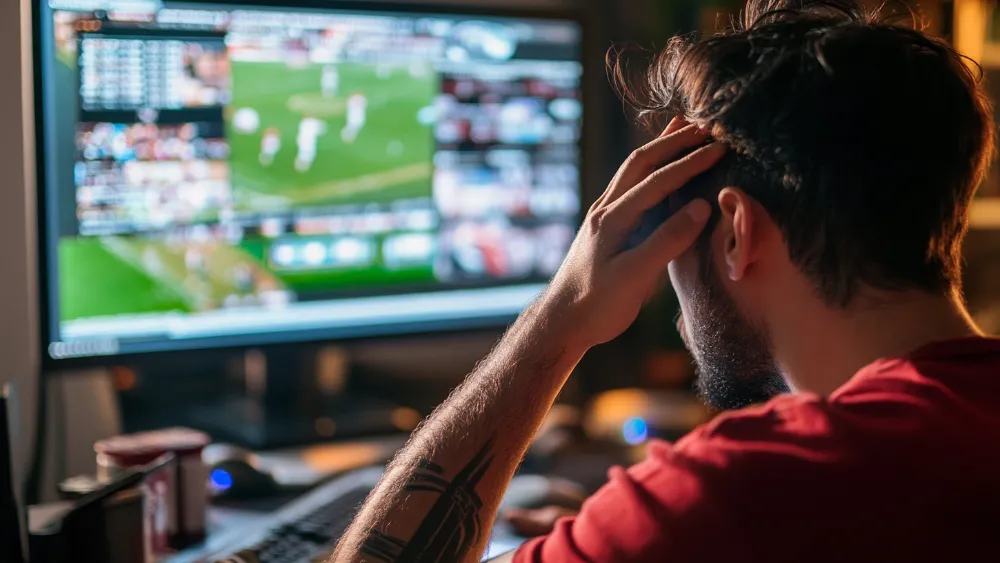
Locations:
(439, 496)
(599, 289)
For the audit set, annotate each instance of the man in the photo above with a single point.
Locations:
(357, 115)
(330, 82)
(270, 144)
(829, 267)
(310, 130)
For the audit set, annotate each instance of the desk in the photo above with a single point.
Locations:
(231, 523)
(225, 526)
(239, 527)
(299, 468)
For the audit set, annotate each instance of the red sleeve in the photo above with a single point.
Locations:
(687, 502)
(655, 508)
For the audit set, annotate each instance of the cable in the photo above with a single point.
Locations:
(33, 481)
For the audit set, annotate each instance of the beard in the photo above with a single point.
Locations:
(735, 366)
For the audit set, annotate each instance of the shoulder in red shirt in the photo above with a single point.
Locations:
(900, 464)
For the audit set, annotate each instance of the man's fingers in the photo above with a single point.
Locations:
(646, 159)
(672, 238)
(531, 523)
(675, 125)
(667, 180)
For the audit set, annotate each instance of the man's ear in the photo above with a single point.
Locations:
(737, 230)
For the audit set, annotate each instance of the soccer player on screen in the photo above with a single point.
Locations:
(310, 129)
(270, 144)
(330, 82)
(357, 114)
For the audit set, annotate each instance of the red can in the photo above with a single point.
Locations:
(176, 494)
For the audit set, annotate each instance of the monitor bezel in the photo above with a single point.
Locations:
(303, 338)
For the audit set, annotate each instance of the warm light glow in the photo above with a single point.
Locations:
(620, 404)
(970, 28)
(405, 419)
(325, 426)
(124, 378)
(985, 213)
(341, 457)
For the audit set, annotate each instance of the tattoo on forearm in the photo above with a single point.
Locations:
(384, 547)
(451, 527)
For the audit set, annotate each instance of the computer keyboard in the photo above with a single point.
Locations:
(307, 539)
(307, 530)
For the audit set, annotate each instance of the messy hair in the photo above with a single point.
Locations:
(863, 138)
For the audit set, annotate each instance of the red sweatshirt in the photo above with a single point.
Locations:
(902, 463)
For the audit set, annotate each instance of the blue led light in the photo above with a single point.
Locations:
(221, 480)
(635, 431)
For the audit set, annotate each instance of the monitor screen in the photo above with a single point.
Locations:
(226, 175)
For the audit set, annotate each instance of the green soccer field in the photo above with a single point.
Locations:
(129, 275)
(108, 276)
(96, 282)
(391, 158)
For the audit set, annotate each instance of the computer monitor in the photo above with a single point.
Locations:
(217, 174)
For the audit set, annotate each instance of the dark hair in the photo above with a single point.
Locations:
(863, 139)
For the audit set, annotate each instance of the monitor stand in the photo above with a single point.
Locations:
(291, 399)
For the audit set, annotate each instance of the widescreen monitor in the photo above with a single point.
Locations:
(229, 175)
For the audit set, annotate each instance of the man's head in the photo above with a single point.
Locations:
(856, 147)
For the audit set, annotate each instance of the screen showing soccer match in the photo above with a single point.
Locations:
(225, 175)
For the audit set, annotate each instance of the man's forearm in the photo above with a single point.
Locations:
(439, 497)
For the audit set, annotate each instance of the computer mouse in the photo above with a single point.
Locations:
(236, 473)
(219, 452)
(538, 491)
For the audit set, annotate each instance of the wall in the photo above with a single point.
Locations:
(18, 332)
